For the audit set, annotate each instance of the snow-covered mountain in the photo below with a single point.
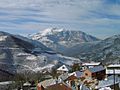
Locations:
(60, 39)
(19, 54)
(79, 44)
(106, 51)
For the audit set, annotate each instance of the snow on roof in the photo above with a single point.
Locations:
(91, 64)
(26, 84)
(96, 69)
(105, 88)
(114, 65)
(63, 68)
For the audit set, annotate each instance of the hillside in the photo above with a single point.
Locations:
(19, 54)
(106, 51)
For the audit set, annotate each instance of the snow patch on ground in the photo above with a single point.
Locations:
(3, 38)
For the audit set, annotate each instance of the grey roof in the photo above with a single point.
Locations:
(64, 76)
(96, 69)
(108, 82)
(48, 82)
(78, 73)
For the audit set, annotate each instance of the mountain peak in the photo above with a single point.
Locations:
(58, 38)
(50, 31)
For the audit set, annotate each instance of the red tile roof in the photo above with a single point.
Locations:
(59, 86)
(72, 77)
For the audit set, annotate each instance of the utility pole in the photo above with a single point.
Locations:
(114, 77)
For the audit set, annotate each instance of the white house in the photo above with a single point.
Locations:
(113, 69)
(62, 69)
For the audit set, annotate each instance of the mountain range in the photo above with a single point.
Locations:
(54, 47)
(19, 54)
(81, 45)
(60, 39)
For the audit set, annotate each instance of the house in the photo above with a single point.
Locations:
(59, 86)
(62, 69)
(113, 69)
(112, 82)
(97, 72)
(68, 79)
(44, 84)
(90, 65)
(71, 80)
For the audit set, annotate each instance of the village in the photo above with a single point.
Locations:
(91, 76)
(79, 76)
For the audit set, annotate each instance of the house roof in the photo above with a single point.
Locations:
(96, 69)
(48, 82)
(91, 64)
(72, 77)
(114, 65)
(108, 82)
(64, 76)
(63, 68)
(59, 86)
(78, 74)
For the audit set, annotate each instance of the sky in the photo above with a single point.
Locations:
(100, 18)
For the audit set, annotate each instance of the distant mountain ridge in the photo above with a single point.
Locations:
(106, 51)
(60, 39)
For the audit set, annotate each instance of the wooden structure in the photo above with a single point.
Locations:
(97, 72)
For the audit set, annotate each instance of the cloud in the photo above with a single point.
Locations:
(96, 17)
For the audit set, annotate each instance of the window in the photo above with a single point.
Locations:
(86, 74)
